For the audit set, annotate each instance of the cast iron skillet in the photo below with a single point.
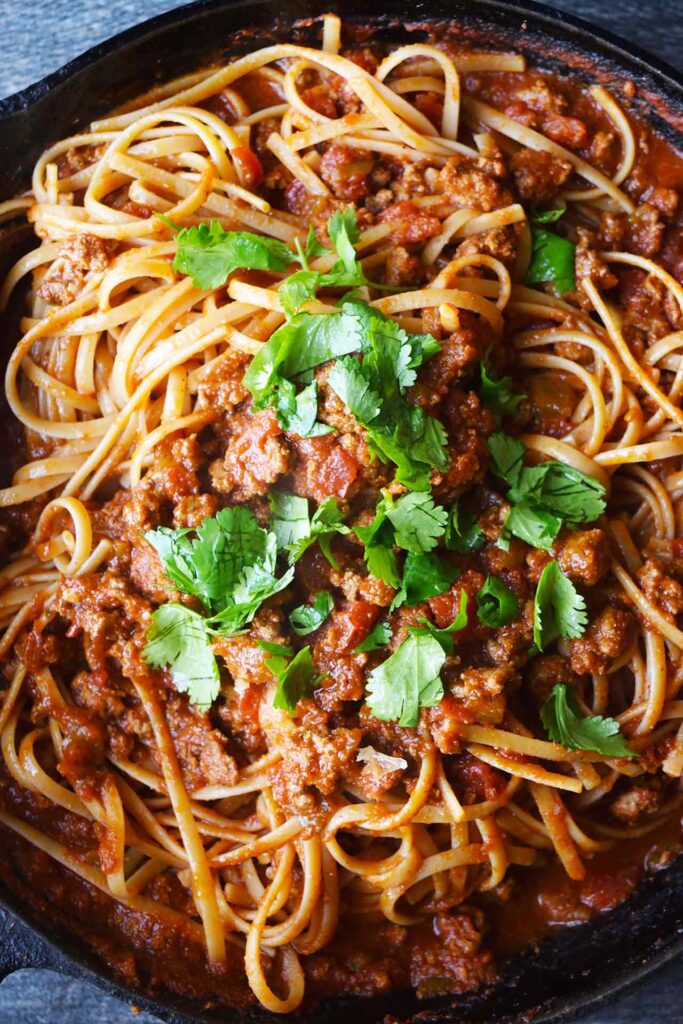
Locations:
(579, 968)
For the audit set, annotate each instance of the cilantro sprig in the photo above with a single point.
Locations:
(559, 609)
(444, 636)
(543, 497)
(565, 725)
(413, 523)
(379, 636)
(229, 564)
(296, 675)
(309, 617)
(209, 254)
(408, 680)
(296, 530)
(497, 395)
(496, 603)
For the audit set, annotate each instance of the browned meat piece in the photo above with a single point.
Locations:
(410, 224)
(584, 555)
(78, 257)
(466, 184)
(608, 637)
(538, 175)
(345, 171)
(202, 750)
(401, 268)
(640, 800)
(254, 459)
(665, 592)
(588, 266)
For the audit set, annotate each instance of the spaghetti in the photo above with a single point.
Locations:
(254, 832)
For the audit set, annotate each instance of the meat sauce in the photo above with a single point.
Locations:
(459, 948)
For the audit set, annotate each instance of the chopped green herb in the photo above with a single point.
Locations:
(559, 609)
(309, 617)
(418, 523)
(298, 413)
(407, 681)
(497, 395)
(550, 215)
(496, 603)
(379, 636)
(295, 678)
(543, 497)
(230, 567)
(463, 532)
(178, 640)
(564, 724)
(295, 530)
(444, 636)
(552, 260)
(424, 576)
(209, 254)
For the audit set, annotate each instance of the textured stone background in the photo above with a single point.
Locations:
(36, 38)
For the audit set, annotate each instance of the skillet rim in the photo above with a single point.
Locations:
(34, 942)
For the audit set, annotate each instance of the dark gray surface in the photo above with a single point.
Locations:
(37, 37)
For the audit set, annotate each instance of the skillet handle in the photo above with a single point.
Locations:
(19, 946)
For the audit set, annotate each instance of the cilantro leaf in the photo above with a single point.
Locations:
(295, 678)
(295, 530)
(352, 384)
(298, 289)
(309, 617)
(552, 260)
(563, 723)
(533, 524)
(418, 523)
(424, 576)
(209, 254)
(229, 566)
(508, 457)
(463, 532)
(296, 348)
(291, 521)
(298, 413)
(497, 395)
(496, 603)
(443, 636)
(342, 227)
(563, 491)
(544, 496)
(408, 680)
(210, 566)
(379, 636)
(373, 390)
(559, 609)
(179, 641)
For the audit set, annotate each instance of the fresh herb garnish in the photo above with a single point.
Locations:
(296, 530)
(373, 389)
(298, 413)
(443, 636)
(379, 636)
(497, 395)
(424, 576)
(295, 677)
(552, 257)
(229, 565)
(559, 609)
(309, 617)
(550, 215)
(407, 681)
(347, 272)
(413, 523)
(209, 254)
(463, 532)
(543, 497)
(178, 639)
(564, 724)
(496, 603)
